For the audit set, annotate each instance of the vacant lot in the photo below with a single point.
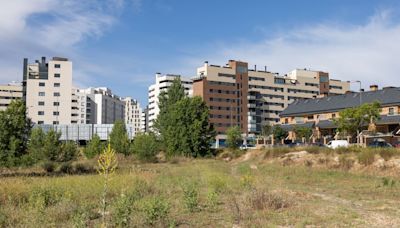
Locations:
(251, 191)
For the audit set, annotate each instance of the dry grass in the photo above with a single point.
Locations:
(250, 194)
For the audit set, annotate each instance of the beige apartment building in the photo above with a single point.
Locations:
(133, 114)
(47, 90)
(8, 93)
(251, 98)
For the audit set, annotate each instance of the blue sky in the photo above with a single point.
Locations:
(122, 43)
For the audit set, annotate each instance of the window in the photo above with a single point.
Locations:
(40, 122)
(279, 81)
(56, 94)
(40, 113)
(333, 115)
(55, 122)
(57, 75)
(56, 84)
(41, 84)
(57, 66)
(391, 111)
(56, 103)
(56, 113)
(323, 79)
(41, 94)
(41, 103)
(241, 69)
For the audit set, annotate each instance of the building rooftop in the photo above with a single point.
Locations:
(385, 96)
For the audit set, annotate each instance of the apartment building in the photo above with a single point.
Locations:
(250, 98)
(47, 90)
(100, 106)
(319, 113)
(8, 93)
(145, 120)
(133, 113)
(163, 82)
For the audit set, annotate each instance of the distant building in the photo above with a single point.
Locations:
(145, 120)
(163, 82)
(251, 98)
(133, 113)
(319, 113)
(8, 93)
(47, 90)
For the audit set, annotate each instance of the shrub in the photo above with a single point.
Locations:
(49, 166)
(94, 147)
(277, 152)
(81, 168)
(69, 152)
(191, 196)
(66, 168)
(345, 162)
(122, 211)
(366, 157)
(234, 137)
(217, 184)
(261, 200)
(155, 210)
(387, 153)
(80, 217)
(212, 199)
(145, 147)
(41, 198)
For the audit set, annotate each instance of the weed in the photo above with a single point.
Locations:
(387, 153)
(41, 198)
(345, 162)
(191, 196)
(80, 217)
(212, 199)
(3, 219)
(218, 184)
(49, 166)
(82, 168)
(386, 182)
(247, 181)
(66, 168)
(123, 210)
(156, 209)
(366, 157)
(277, 152)
(261, 200)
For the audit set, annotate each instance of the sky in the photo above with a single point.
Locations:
(121, 44)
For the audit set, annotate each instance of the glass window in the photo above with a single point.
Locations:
(391, 111)
(41, 94)
(40, 113)
(41, 84)
(57, 66)
(241, 69)
(56, 103)
(56, 94)
(57, 75)
(56, 84)
(41, 103)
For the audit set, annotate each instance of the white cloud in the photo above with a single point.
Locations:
(34, 28)
(367, 52)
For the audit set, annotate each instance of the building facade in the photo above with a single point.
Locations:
(163, 82)
(319, 113)
(133, 114)
(250, 98)
(145, 120)
(47, 90)
(8, 93)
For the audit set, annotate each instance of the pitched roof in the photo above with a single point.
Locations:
(386, 96)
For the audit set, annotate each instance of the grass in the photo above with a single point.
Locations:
(204, 193)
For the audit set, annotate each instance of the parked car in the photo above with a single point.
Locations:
(337, 143)
(380, 143)
(247, 146)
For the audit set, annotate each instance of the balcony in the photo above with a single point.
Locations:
(251, 105)
(249, 97)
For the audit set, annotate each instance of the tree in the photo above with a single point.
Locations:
(279, 133)
(353, 120)
(119, 139)
(52, 147)
(94, 147)
(69, 151)
(303, 132)
(189, 133)
(145, 147)
(233, 137)
(15, 127)
(266, 131)
(36, 144)
(166, 101)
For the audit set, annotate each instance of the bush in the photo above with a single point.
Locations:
(145, 147)
(212, 199)
(277, 152)
(345, 162)
(41, 198)
(49, 166)
(69, 152)
(94, 147)
(122, 211)
(156, 210)
(366, 157)
(81, 168)
(387, 153)
(66, 168)
(261, 200)
(191, 196)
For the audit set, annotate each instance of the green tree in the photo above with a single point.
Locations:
(145, 147)
(233, 137)
(303, 132)
(69, 151)
(52, 147)
(266, 131)
(36, 144)
(189, 133)
(354, 120)
(94, 147)
(14, 132)
(119, 139)
(279, 133)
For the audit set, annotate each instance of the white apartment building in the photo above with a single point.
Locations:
(133, 113)
(99, 106)
(8, 93)
(163, 82)
(47, 90)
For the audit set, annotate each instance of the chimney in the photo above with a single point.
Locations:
(373, 87)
